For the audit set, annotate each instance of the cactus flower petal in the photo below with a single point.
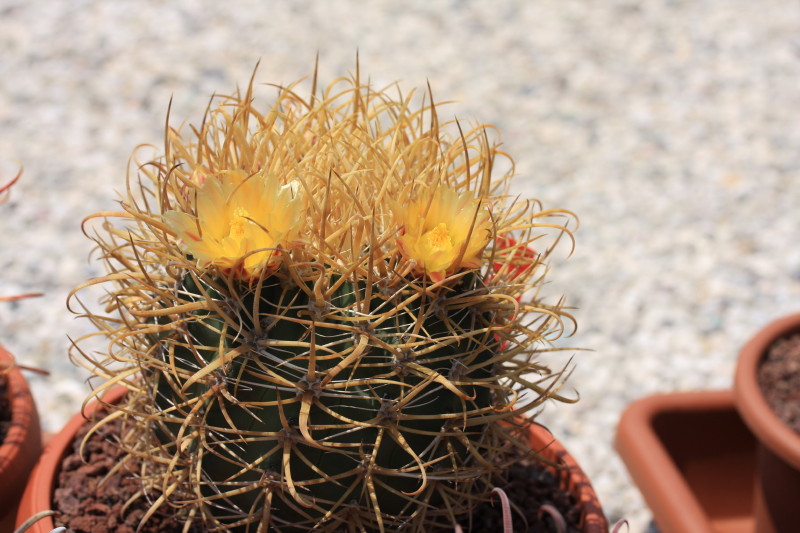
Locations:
(241, 223)
(436, 235)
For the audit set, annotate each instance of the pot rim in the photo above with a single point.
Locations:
(770, 430)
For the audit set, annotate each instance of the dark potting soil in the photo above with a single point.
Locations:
(5, 408)
(85, 507)
(528, 487)
(779, 379)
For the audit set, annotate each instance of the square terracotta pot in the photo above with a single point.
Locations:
(693, 459)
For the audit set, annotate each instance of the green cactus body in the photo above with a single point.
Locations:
(361, 421)
(327, 316)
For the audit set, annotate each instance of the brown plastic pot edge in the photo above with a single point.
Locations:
(38, 493)
(22, 444)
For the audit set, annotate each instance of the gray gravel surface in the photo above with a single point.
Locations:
(669, 127)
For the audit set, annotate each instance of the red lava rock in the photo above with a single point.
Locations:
(87, 508)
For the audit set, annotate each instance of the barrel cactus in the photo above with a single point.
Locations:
(326, 312)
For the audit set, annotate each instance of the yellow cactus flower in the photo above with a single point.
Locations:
(436, 232)
(242, 223)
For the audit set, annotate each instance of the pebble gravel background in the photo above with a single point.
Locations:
(669, 127)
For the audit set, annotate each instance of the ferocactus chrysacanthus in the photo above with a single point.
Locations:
(327, 314)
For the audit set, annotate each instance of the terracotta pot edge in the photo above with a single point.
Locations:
(25, 430)
(22, 443)
(750, 401)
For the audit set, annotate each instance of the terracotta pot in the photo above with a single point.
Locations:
(693, 459)
(778, 453)
(21, 446)
(41, 484)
